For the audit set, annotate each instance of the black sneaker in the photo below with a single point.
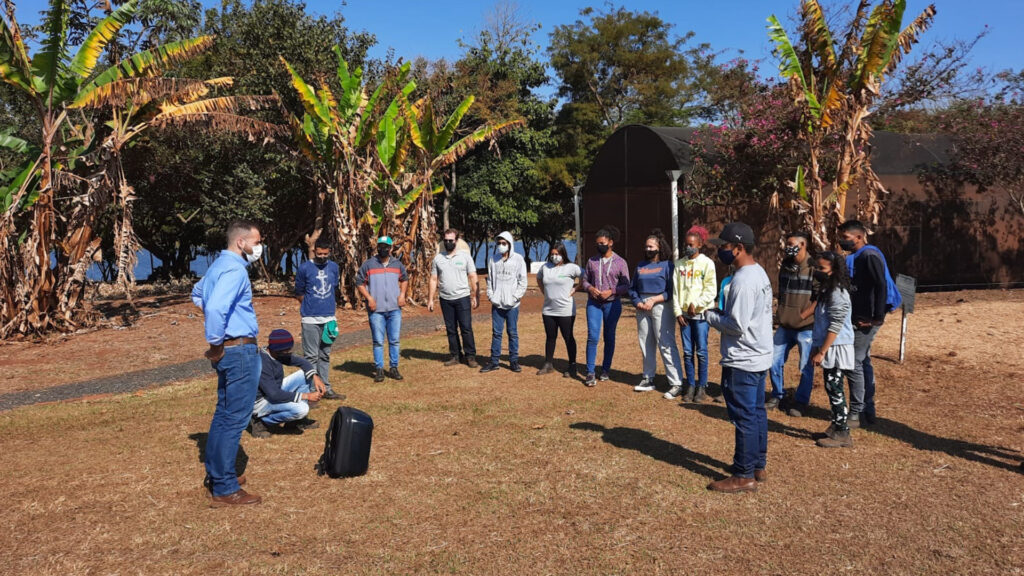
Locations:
(258, 429)
(571, 372)
(771, 403)
(379, 375)
(515, 367)
(797, 410)
(394, 374)
(603, 376)
(489, 368)
(304, 424)
(332, 395)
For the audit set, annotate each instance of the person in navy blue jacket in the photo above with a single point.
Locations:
(282, 400)
(651, 293)
(315, 287)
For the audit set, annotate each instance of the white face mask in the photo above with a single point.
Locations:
(257, 252)
(556, 258)
(503, 248)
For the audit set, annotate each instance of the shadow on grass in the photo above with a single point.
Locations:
(646, 443)
(241, 460)
(718, 410)
(957, 448)
(356, 368)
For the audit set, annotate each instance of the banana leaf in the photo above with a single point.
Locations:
(92, 47)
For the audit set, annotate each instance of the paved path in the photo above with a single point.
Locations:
(139, 379)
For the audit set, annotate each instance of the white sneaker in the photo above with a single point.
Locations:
(645, 385)
(673, 392)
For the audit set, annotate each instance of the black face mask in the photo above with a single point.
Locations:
(792, 251)
(690, 251)
(820, 276)
(602, 249)
(449, 245)
(383, 251)
(320, 261)
(847, 245)
(651, 254)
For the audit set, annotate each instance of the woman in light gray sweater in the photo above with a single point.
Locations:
(832, 341)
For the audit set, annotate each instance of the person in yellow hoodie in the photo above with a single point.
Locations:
(695, 288)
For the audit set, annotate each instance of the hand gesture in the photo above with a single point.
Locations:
(318, 383)
(214, 354)
(312, 396)
(371, 304)
(682, 320)
(817, 356)
(401, 302)
(430, 305)
(692, 310)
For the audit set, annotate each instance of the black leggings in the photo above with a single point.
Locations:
(552, 324)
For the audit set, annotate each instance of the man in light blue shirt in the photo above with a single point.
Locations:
(225, 295)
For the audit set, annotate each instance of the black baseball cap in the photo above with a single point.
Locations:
(734, 233)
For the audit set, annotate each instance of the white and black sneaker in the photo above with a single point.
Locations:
(591, 381)
(645, 385)
(673, 392)
(603, 376)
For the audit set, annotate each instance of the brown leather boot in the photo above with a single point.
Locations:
(838, 439)
(452, 361)
(761, 475)
(239, 498)
(734, 484)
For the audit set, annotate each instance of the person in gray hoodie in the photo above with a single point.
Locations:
(506, 285)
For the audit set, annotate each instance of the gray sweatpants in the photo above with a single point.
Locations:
(656, 329)
(862, 340)
(316, 352)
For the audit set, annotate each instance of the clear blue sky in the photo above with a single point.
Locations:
(430, 28)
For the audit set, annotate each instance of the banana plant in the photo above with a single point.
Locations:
(374, 163)
(57, 80)
(836, 85)
(138, 104)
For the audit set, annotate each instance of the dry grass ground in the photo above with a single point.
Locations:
(518, 474)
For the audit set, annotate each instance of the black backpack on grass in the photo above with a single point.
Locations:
(347, 447)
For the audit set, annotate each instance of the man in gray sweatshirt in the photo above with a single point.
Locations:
(746, 327)
(506, 285)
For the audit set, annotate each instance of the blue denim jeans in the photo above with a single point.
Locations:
(598, 314)
(785, 340)
(695, 343)
(502, 320)
(238, 378)
(385, 325)
(744, 400)
(274, 414)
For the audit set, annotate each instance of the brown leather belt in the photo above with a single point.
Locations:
(238, 341)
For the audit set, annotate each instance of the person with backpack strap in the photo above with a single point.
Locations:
(870, 299)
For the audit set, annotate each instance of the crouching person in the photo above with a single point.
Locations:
(282, 400)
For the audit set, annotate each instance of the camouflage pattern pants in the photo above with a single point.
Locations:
(836, 397)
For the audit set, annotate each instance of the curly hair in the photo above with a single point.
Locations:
(664, 251)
